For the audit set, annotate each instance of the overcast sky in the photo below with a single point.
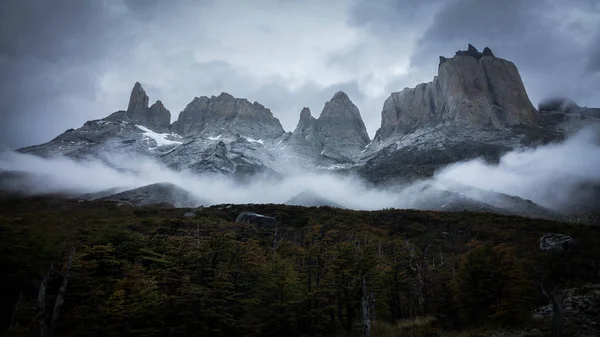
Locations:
(63, 62)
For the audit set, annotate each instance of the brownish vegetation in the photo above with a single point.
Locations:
(148, 271)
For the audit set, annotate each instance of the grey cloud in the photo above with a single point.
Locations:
(593, 63)
(66, 61)
(529, 33)
(49, 53)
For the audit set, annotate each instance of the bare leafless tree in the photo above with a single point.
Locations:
(424, 265)
(366, 310)
(47, 328)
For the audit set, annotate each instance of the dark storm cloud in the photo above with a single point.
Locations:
(548, 40)
(47, 49)
(64, 62)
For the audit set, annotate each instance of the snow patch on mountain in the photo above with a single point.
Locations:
(260, 141)
(161, 139)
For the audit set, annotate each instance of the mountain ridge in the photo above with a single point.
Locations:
(476, 102)
(476, 107)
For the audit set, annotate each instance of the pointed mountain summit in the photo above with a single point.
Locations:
(224, 113)
(341, 126)
(138, 102)
(338, 134)
(156, 117)
(305, 140)
(306, 124)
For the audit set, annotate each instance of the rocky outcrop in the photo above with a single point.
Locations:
(341, 127)
(214, 159)
(307, 126)
(475, 107)
(338, 134)
(156, 117)
(565, 115)
(472, 89)
(223, 114)
(138, 103)
(306, 140)
(473, 52)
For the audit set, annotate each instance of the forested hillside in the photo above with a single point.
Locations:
(150, 271)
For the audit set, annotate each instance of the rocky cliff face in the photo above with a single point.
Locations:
(156, 117)
(342, 127)
(472, 90)
(138, 103)
(476, 106)
(305, 140)
(338, 135)
(225, 114)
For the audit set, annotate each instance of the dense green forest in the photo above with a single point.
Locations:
(74, 268)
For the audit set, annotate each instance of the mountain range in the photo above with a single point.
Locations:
(476, 107)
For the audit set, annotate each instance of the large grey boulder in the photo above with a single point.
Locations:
(556, 242)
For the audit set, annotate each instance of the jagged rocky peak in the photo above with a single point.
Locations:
(306, 123)
(340, 121)
(340, 96)
(339, 133)
(472, 52)
(472, 90)
(156, 117)
(305, 114)
(138, 101)
(215, 115)
(305, 139)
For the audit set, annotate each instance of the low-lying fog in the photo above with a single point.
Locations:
(548, 175)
